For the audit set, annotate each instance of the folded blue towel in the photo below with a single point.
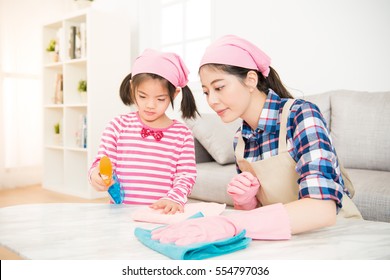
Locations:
(196, 251)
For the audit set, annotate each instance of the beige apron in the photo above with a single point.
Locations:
(277, 174)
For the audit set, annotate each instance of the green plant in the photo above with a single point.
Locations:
(82, 87)
(57, 128)
(52, 46)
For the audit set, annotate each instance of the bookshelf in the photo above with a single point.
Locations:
(94, 46)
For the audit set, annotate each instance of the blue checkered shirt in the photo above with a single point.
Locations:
(308, 142)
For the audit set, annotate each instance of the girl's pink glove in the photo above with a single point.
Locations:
(243, 189)
(266, 223)
(206, 229)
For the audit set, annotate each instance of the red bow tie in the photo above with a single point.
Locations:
(157, 134)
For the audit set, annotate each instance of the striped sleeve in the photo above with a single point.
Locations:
(108, 144)
(185, 176)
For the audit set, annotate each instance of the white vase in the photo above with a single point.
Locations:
(83, 97)
(53, 56)
(57, 139)
(82, 4)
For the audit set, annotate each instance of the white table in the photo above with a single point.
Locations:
(77, 231)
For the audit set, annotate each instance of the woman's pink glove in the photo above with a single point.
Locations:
(243, 189)
(265, 223)
(206, 229)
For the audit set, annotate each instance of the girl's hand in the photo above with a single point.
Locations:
(167, 206)
(97, 181)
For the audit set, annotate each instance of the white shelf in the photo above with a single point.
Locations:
(105, 63)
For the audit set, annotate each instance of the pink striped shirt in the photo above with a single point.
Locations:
(148, 169)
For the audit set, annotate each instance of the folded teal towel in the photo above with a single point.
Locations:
(196, 251)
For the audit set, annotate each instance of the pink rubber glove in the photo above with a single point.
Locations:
(206, 229)
(266, 223)
(243, 189)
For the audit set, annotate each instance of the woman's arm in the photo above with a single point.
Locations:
(309, 214)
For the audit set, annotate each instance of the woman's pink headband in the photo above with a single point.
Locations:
(167, 65)
(233, 50)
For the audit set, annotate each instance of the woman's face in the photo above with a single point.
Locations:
(225, 93)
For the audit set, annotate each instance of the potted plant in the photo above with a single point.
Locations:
(82, 89)
(57, 128)
(81, 4)
(51, 49)
(57, 133)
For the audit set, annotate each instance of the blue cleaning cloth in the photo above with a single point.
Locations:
(196, 251)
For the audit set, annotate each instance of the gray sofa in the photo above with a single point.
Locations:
(360, 129)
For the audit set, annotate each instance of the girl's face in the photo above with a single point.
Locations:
(152, 99)
(225, 93)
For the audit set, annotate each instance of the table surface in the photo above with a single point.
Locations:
(78, 231)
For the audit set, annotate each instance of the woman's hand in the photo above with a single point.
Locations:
(205, 229)
(167, 206)
(97, 181)
(243, 189)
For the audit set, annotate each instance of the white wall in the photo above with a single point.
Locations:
(316, 45)
(21, 24)
(20, 57)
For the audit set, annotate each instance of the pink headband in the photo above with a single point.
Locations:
(167, 65)
(233, 50)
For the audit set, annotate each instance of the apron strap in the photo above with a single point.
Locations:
(283, 126)
(240, 148)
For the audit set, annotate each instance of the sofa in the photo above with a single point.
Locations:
(359, 124)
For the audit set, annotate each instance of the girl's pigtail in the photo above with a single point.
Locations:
(125, 91)
(188, 104)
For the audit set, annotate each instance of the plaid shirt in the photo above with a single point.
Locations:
(308, 142)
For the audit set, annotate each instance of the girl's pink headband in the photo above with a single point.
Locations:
(233, 50)
(167, 65)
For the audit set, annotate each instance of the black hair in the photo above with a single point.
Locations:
(188, 104)
(263, 84)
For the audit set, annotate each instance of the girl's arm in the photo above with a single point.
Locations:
(107, 147)
(185, 176)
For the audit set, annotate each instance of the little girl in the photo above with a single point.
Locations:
(153, 156)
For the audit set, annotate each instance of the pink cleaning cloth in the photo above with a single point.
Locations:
(149, 215)
(236, 51)
(167, 65)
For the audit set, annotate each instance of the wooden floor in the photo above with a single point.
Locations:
(35, 194)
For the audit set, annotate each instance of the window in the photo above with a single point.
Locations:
(20, 95)
(186, 30)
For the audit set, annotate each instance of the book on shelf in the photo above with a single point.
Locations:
(77, 41)
(58, 90)
(81, 133)
(83, 40)
(60, 44)
(72, 42)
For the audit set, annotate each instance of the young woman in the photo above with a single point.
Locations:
(289, 178)
(153, 156)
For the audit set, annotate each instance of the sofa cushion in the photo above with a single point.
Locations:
(323, 103)
(215, 136)
(372, 193)
(360, 128)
